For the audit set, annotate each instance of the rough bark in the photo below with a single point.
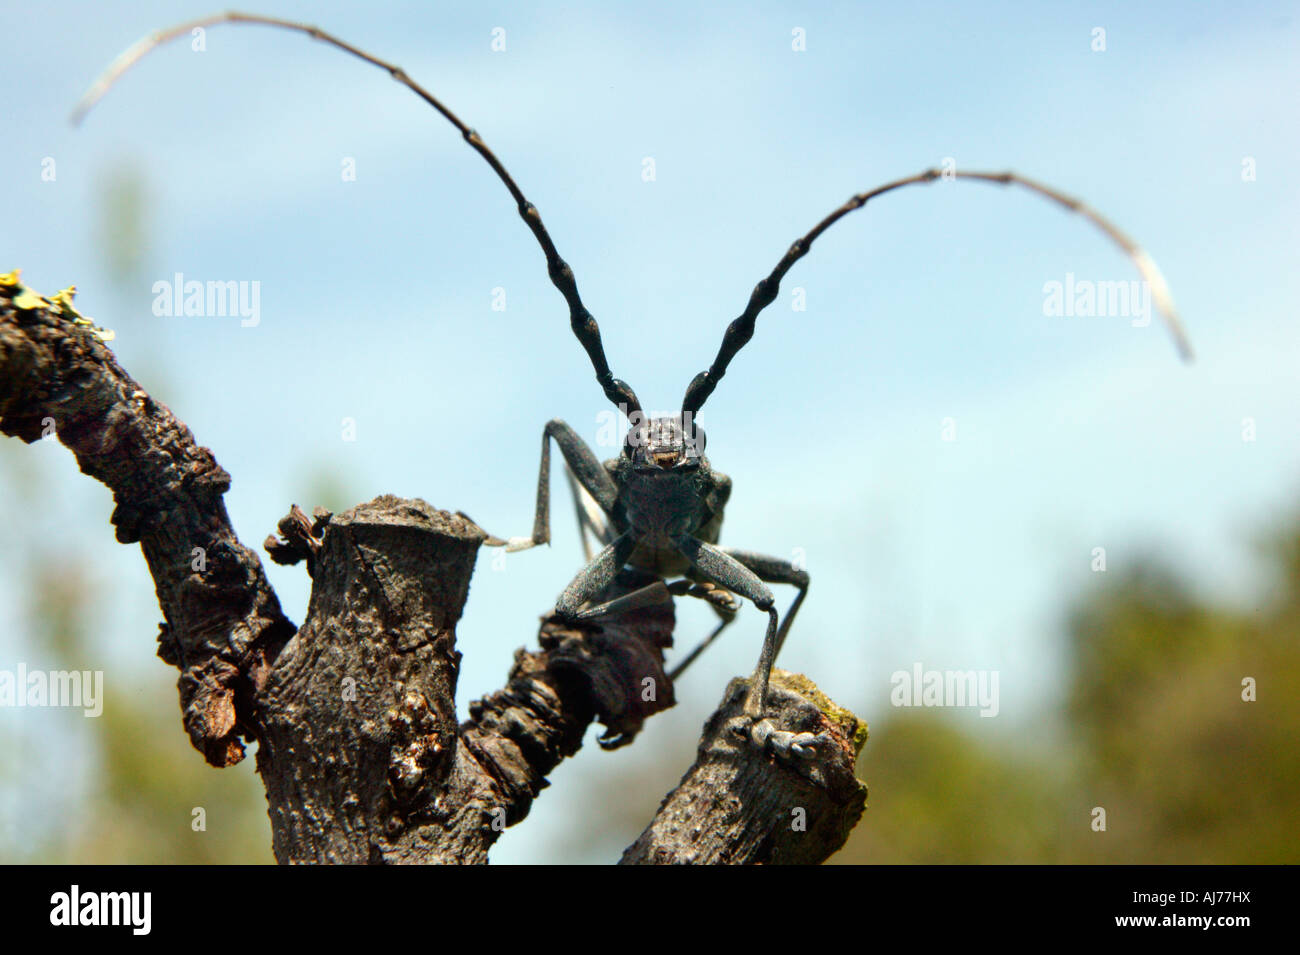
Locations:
(360, 751)
(737, 805)
(222, 624)
(362, 756)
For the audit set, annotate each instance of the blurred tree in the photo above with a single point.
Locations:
(940, 794)
(121, 225)
(1189, 771)
(146, 781)
(1158, 734)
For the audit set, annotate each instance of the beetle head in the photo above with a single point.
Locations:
(665, 444)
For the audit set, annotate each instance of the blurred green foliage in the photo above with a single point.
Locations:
(122, 223)
(1155, 731)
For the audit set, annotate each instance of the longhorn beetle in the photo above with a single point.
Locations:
(658, 506)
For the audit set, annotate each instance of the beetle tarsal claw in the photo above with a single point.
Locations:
(614, 739)
(784, 744)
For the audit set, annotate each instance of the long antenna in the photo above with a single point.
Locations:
(580, 320)
(742, 328)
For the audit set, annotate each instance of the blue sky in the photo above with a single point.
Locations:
(376, 295)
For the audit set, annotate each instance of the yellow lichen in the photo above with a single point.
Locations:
(28, 300)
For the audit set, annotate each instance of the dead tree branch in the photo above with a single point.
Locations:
(737, 806)
(222, 622)
(360, 751)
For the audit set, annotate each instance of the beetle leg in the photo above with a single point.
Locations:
(594, 579)
(723, 602)
(721, 568)
(647, 596)
(592, 520)
(775, 570)
(587, 471)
